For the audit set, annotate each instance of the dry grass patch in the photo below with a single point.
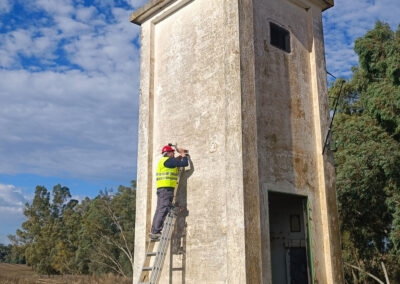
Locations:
(22, 274)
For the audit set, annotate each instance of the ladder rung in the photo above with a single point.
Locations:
(160, 252)
(177, 269)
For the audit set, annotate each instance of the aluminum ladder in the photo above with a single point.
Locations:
(151, 274)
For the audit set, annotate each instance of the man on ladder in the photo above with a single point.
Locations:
(166, 177)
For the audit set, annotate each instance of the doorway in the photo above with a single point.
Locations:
(288, 225)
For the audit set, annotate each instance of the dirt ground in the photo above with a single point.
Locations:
(22, 274)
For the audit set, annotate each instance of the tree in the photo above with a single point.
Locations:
(110, 222)
(367, 134)
(68, 226)
(62, 236)
(38, 235)
(47, 235)
(17, 253)
(5, 252)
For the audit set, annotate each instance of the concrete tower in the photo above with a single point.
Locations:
(242, 85)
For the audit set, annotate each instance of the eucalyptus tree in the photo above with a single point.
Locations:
(367, 137)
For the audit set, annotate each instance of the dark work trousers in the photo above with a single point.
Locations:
(164, 199)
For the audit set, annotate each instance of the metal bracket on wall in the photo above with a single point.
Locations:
(333, 116)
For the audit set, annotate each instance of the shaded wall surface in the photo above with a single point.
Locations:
(292, 118)
(252, 118)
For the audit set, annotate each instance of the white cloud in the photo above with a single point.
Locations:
(5, 6)
(73, 121)
(59, 7)
(349, 20)
(38, 43)
(12, 204)
(13, 43)
(67, 123)
(84, 14)
(71, 27)
(11, 198)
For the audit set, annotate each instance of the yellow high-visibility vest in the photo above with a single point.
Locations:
(166, 177)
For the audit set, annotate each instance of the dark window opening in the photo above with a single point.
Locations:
(280, 37)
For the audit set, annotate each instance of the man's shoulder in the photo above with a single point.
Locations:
(170, 163)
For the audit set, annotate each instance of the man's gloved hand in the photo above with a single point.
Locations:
(182, 152)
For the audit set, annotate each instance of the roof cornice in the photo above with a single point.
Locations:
(150, 8)
(326, 4)
(323, 4)
(153, 6)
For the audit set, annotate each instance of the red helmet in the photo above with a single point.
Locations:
(167, 149)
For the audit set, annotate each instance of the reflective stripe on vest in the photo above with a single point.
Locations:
(172, 174)
(166, 177)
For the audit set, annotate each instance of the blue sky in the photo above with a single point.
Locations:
(69, 85)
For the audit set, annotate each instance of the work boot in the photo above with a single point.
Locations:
(155, 236)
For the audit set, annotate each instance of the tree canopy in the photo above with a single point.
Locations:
(64, 236)
(366, 133)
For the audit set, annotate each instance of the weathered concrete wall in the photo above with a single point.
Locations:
(190, 94)
(253, 119)
(292, 118)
